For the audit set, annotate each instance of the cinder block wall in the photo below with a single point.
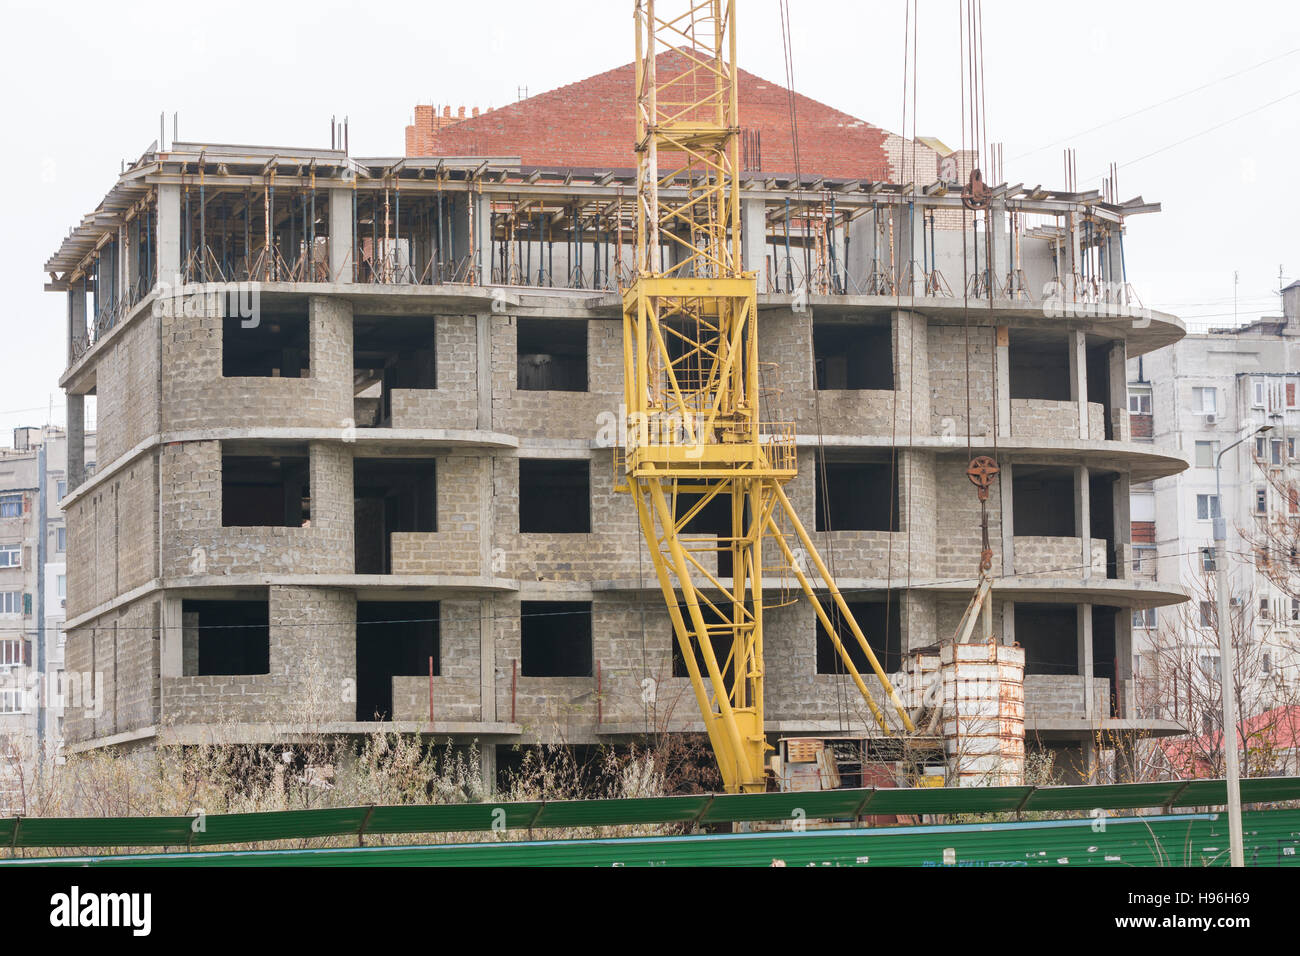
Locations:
(196, 395)
(196, 544)
(173, 493)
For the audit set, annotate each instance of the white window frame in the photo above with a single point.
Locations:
(1257, 393)
(1261, 500)
(11, 653)
(13, 700)
(1209, 399)
(11, 555)
(1137, 398)
(7, 500)
(1211, 507)
(11, 597)
(1142, 554)
(1144, 618)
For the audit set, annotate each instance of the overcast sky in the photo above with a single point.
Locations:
(84, 84)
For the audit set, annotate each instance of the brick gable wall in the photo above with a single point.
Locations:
(589, 124)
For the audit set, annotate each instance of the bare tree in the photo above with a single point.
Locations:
(1180, 680)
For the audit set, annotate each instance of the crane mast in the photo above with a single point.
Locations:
(697, 438)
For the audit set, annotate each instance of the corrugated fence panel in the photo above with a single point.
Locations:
(1272, 838)
(219, 829)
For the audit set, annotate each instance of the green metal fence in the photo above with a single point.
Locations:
(1272, 838)
(256, 828)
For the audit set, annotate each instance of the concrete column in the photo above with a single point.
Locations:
(342, 240)
(912, 370)
(128, 256)
(171, 662)
(1008, 622)
(483, 370)
(487, 664)
(169, 233)
(753, 233)
(76, 440)
(909, 272)
(1117, 400)
(487, 756)
(1124, 663)
(1085, 659)
(76, 319)
(1008, 531)
(487, 521)
(1114, 259)
(482, 237)
(1083, 518)
(1123, 519)
(1072, 254)
(1079, 379)
(999, 257)
(1002, 358)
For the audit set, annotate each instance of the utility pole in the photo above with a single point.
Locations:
(1227, 666)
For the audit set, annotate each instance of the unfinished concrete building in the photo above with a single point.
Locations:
(358, 424)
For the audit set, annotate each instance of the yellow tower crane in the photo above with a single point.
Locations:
(695, 432)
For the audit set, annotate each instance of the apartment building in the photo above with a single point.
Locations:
(359, 425)
(33, 550)
(1199, 397)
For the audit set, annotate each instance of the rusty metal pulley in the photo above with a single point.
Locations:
(981, 472)
(975, 194)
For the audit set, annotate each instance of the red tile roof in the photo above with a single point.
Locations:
(589, 124)
(1273, 730)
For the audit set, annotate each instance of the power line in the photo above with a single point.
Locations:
(1204, 132)
(1164, 102)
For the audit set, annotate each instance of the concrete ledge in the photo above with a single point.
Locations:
(368, 586)
(1144, 331)
(360, 582)
(1046, 590)
(113, 740)
(1141, 459)
(255, 733)
(1060, 728)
